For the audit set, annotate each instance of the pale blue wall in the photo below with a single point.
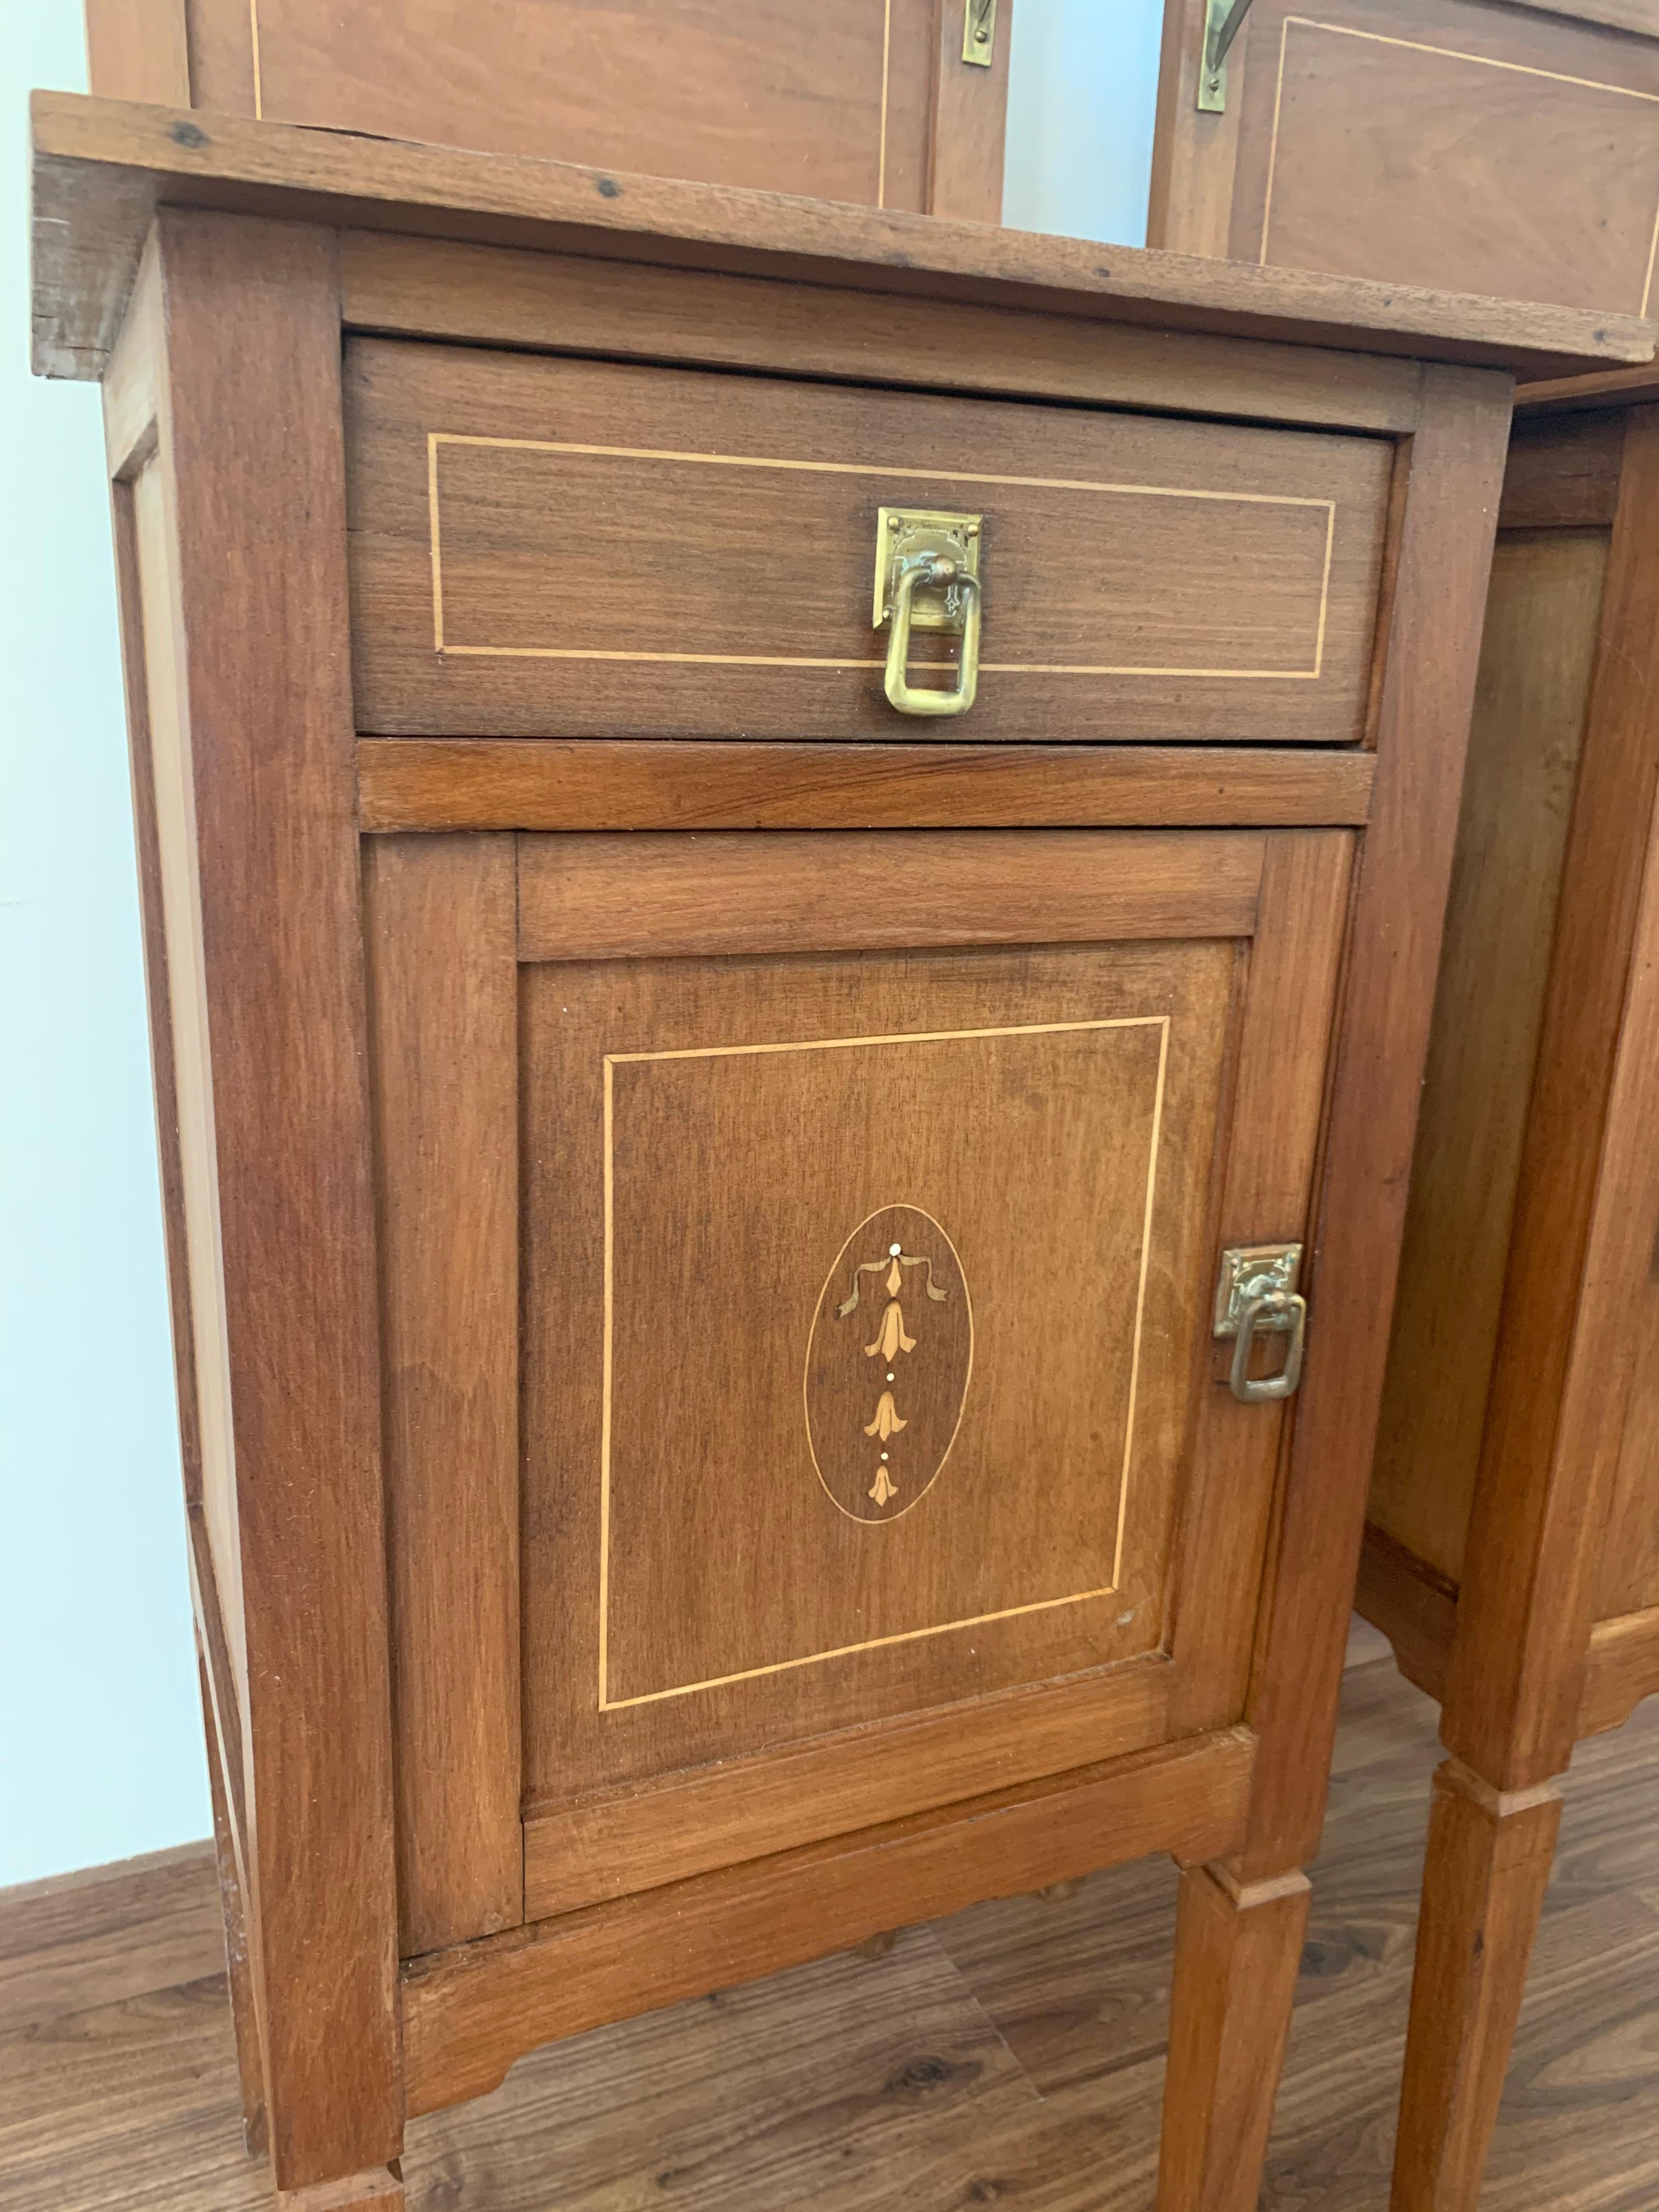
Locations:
(100, 1727)
(100, 1751)
(1082, 86)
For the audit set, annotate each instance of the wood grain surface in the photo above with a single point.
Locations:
(102, 166)
(553, 548)
(1537, 651)
(744, 93)
(524, 783)
(1013, 2053)
(571, 303)
(440, 916)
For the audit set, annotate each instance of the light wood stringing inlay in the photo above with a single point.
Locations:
(441, 643)
(1446, 53)
(612, 1060)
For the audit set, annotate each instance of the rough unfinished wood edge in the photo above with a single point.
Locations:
(469, 2013)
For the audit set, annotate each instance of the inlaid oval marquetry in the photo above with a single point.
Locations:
(887, 1364)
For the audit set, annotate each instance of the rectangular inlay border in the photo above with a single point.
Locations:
(1446, 53)
(1160, 1022)
(438, 438)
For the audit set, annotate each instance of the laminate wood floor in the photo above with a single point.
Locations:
(1011, 2055)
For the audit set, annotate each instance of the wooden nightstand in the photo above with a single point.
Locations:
(1512, 1544)
(741, 1251)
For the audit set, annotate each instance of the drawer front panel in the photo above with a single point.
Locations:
(555, 548)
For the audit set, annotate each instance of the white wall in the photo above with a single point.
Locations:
(99, 1727)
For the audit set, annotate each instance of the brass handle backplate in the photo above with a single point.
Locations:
(1257, 1291)
(928, 577)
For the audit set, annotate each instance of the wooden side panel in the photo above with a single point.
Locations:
(1584, 1225)
(1456, 467)
(253, 513)
(1542, 618)
(555, 548)
(195, 1256)
(443, 995)
(1456, 144)
(834, 104)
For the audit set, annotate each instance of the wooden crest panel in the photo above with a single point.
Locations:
(544, 547)
(1475, 146)
(873, 102)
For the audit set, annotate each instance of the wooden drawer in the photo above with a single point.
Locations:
(561, 548)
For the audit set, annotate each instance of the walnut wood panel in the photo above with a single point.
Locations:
(1443, 142)
(690, 1823)
(741, 1601)
(1585, 1216)
(736, 1610)
(564, 303)
(441, 919)
(555, 548)
(102, 166)
(244, 506)
(528, 783)
(1382, 1042)
(839, 105)
(468, 2014)
(598, 897)
(1563, 472)
(1537, 654)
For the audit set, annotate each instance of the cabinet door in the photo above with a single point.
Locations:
(873, 1448)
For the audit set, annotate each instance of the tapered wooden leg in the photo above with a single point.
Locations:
(379, 2191)
(1237, 1952)
(1483, 1890)
(249, 2063)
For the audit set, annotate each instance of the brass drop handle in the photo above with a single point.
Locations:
(941, 573)
(1284, 1312)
